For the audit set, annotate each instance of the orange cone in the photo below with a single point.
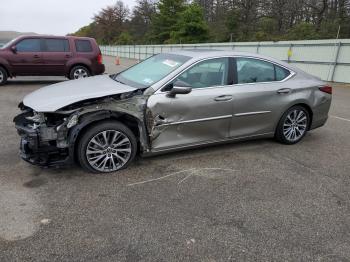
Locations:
(117, 61)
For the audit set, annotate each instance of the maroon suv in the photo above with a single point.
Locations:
(73, 57)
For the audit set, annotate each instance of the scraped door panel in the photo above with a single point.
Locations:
(201, 116)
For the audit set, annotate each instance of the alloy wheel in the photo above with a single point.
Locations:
(295, 125)
(1, 76)
(108, 151)
(80, 73)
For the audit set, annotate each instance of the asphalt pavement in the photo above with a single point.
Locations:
(247, 201)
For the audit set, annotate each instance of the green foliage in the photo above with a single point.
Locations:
(305, 31)
(267, 29)
(191, 26)
(164, 22)
(124, 39)
(195, 21)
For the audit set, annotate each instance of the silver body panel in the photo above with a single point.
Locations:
(205, 115)
(56, 96)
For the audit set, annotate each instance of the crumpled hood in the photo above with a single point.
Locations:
(56, 96)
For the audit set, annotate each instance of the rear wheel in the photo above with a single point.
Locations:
(3, 76)
(107, 147)
(79, 72)
(293, 125)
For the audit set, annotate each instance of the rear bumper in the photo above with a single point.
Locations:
(98, 69)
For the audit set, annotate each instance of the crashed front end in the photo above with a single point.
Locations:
(44, 136)
(48, 139)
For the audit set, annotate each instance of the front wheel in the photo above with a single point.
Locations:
(293, 125)
(79, 72)
(107, 147)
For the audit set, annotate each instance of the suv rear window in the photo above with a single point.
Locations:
(83, 46)
(56, 45)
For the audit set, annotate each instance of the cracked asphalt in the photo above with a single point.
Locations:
(248, 201)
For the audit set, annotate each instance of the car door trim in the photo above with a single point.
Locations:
(205, 143)
(252, 113)
(195, 120)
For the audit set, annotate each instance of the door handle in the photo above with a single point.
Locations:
(223, 98)
(68, 56)
(284, 91)
(36, 56)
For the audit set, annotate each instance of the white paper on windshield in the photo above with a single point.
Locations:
(170, 63)
(148, 80)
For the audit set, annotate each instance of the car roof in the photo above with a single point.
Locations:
(54, 36)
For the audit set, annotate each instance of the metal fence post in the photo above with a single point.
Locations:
(335, 61)
(257, 48)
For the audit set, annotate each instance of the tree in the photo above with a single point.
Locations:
(110, 22)
(303, 30)
(141, 19)
(172, 21)
(124, 39)
(164, 22)
(191, 26)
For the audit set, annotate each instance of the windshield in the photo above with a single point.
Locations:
(151, 70)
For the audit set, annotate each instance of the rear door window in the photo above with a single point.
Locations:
(83, 46)
(29, 45)
(56, 45)
(250, 70)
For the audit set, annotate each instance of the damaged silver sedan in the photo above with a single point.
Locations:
(169, 102)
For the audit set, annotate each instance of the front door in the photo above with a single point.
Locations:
(202, 116)
(27, 60)
(56, 55)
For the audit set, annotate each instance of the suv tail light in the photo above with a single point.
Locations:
(326, 89)
(100, 59)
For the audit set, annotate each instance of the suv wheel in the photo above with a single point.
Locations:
(293, 125)
(3, 76)
(79, 72)
(107, 147)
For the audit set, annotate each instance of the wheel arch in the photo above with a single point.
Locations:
(79, 64)
(298, 103)
(6, 69)
(90, 119)
(309, 110)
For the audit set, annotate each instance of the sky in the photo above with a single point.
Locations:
(55, 17)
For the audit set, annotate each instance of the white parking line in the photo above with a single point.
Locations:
(340, 118)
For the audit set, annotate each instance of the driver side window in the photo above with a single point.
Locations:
(208, 73)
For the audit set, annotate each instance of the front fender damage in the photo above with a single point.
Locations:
(111, 108)
(49, 139)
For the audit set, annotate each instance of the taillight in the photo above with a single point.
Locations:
(326, 89)
(100, 59)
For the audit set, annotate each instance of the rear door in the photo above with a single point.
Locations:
(260, 95)
(56, 54)
(28, 58)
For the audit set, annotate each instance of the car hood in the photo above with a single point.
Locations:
(56, 96)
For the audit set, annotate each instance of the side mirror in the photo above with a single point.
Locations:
(14, 49)
(179, 88)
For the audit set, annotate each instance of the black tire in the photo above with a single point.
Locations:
(285, 125)
(3, 76)
(95, 132)
(79, 70)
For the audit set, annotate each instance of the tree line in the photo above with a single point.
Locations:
(199, 21)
